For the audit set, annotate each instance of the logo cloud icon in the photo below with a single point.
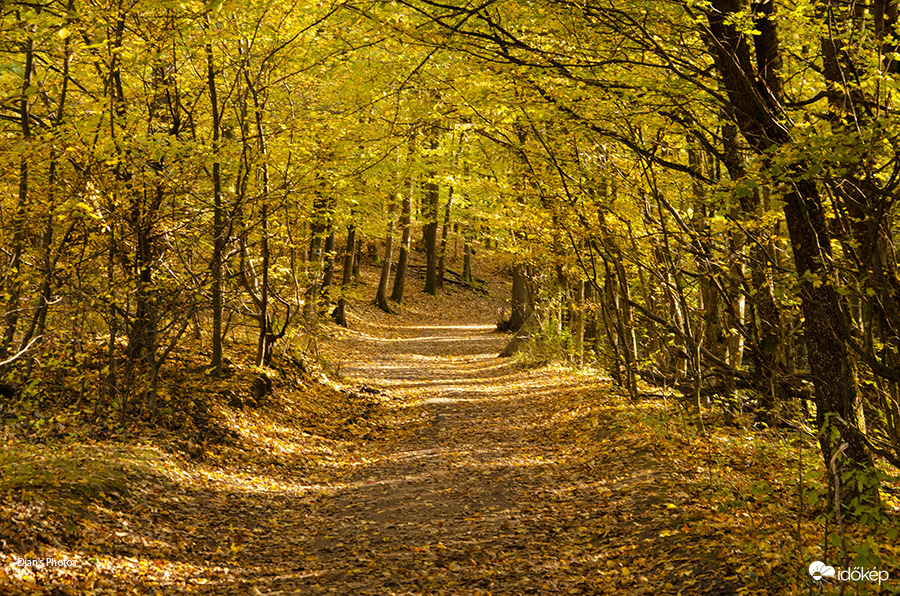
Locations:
(819, 570)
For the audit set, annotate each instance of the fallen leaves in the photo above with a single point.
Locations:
(435, 469)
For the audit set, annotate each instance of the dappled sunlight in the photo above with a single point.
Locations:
(430, 338)
(394, 327)
(431, 463)
(243, 482)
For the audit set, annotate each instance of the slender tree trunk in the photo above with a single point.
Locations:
(708, 294)
(318, 227)
(263, 351)
(590, 318)
(143, 340)
(429, 233)
(265, 335)
(620, 284)
(578, 324)
(39, 320)
(112, 381)
(116, 113)
(467, 256)
(403, 259)
(443, 250)
(328, 277)
(357, 255)
(340, 312)
(218, 214)
(14, 273)
(609, 303)
(626, 333)
(381, 294)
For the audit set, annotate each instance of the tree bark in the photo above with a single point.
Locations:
(265, 335)
(429, 232)
(381, 294)
(443, 250)
(340, 312)
(467, 256)
(328, 277)
(519, 303)
(13, 287)
(218, 214)
(403, 259)
(756, 97)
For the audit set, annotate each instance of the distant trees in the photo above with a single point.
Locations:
(173, 168)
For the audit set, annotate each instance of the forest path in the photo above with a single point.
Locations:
(454, 472)
(497, 488)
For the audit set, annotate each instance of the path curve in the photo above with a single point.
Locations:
(491, 494)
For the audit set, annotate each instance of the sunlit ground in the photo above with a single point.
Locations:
(470, 475)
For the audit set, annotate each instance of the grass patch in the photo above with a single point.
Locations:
(73, 475)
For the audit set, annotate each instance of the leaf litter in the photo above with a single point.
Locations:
(430, 466)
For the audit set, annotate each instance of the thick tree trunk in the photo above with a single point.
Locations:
(755, 93)
(519, 303)
(833, 368)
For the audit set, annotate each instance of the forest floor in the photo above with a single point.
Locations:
(449, 471)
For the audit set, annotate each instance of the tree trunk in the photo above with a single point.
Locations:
(833, 369)
(39, 320)
(263, 352)
(13, 287)
(467, 256)
(609, 305)
(429, 233)
(218, 214)
(403, 259)
(317, 229)
(578, 324)
(340, 312)
(357, 255)
(519, 303)
(443, 249)
(328, 277)
(381, 294)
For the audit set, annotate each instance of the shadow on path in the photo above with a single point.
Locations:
(493, 494)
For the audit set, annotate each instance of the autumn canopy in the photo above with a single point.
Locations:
(694, 200)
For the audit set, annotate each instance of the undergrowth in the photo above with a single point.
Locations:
(763, 496)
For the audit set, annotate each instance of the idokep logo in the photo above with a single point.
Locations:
(819, 571)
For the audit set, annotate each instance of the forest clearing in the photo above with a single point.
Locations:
(443, 297)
